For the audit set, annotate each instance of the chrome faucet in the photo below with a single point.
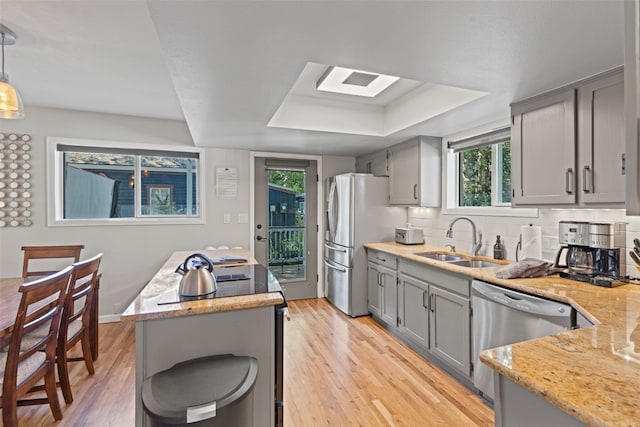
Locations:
(477, 239)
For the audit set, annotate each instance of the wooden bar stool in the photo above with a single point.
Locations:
(25, 365)
(48, 252)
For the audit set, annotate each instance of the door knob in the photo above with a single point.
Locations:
(259, 238)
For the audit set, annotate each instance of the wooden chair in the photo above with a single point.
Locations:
(74, 323)
(48, 252)
(23, 366)
(76, 319)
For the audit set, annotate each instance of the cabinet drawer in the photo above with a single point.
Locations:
(445, 279)
(382, 258)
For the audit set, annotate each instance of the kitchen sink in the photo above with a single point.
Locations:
(440, 256)
(474, 263)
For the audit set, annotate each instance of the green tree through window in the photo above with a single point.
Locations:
(290, 179)
(477, 166)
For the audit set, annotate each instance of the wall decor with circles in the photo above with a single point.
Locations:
(15, 180)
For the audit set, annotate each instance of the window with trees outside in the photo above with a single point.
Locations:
(483, 166)
(103, 183)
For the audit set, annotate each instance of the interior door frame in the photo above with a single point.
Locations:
(320, 204)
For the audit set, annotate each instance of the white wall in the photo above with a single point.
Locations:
(132, 253)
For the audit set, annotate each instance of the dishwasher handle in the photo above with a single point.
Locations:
(521, 302)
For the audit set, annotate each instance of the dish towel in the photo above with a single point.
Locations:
(528, 267)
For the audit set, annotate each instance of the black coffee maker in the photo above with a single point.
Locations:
(590, 251)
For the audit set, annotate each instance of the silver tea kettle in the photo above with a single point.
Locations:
(197, 278)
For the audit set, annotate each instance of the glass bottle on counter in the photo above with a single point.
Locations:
(498, 249)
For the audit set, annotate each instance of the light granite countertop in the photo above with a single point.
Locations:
(591, 373)
(166, 280)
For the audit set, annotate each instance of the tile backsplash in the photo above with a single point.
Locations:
(434, 224)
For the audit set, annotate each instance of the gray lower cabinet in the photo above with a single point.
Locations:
(514, 405)
(434, 312)
(373, 285)
(450, 328)
(413, 313)
(389, 291)
(382, 286)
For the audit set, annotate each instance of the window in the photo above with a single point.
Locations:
(478, 171)
(105, 182)
(477, 168)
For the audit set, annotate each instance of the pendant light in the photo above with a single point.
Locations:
(10, 102)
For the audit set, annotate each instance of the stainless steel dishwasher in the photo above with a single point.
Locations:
(502, 316)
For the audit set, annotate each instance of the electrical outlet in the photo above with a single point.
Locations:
(549, 243)
(243, 218)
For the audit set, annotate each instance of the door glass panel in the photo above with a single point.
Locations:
(287, 222)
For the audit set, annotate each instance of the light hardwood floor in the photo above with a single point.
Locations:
(338, 372)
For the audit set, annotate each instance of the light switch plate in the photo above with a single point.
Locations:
(243, 218)
(227, 218)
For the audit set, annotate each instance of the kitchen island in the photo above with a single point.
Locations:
(172, 332)
(591, 374)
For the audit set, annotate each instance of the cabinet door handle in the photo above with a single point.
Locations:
(587, 179)
(432, 303)
(415, 191)
(425, 302)
(568, 183)
(380, 279)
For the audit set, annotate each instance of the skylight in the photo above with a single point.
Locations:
(354, 82)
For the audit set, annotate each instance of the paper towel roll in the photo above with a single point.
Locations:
(531, 238)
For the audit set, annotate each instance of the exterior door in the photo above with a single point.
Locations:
(286, 229)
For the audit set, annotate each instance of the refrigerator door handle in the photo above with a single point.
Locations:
(334, 248)
(334, 266)
(331, 207)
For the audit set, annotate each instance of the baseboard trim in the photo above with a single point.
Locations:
(109, 318)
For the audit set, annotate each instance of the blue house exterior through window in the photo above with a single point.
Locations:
(106, 185)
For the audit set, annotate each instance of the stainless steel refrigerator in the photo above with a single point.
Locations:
(357, 213)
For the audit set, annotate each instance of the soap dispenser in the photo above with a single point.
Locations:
(498, 249)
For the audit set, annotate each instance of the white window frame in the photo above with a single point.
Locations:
(451, 185)
(55, 163)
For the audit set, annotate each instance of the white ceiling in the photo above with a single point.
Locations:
(226, 66)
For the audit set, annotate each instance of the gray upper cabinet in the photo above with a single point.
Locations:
(601, 140)
(543, 140)
(568, 145)
(380, 163)
(631, 103)
(375, 163)
(415, 172)
(363, 163)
